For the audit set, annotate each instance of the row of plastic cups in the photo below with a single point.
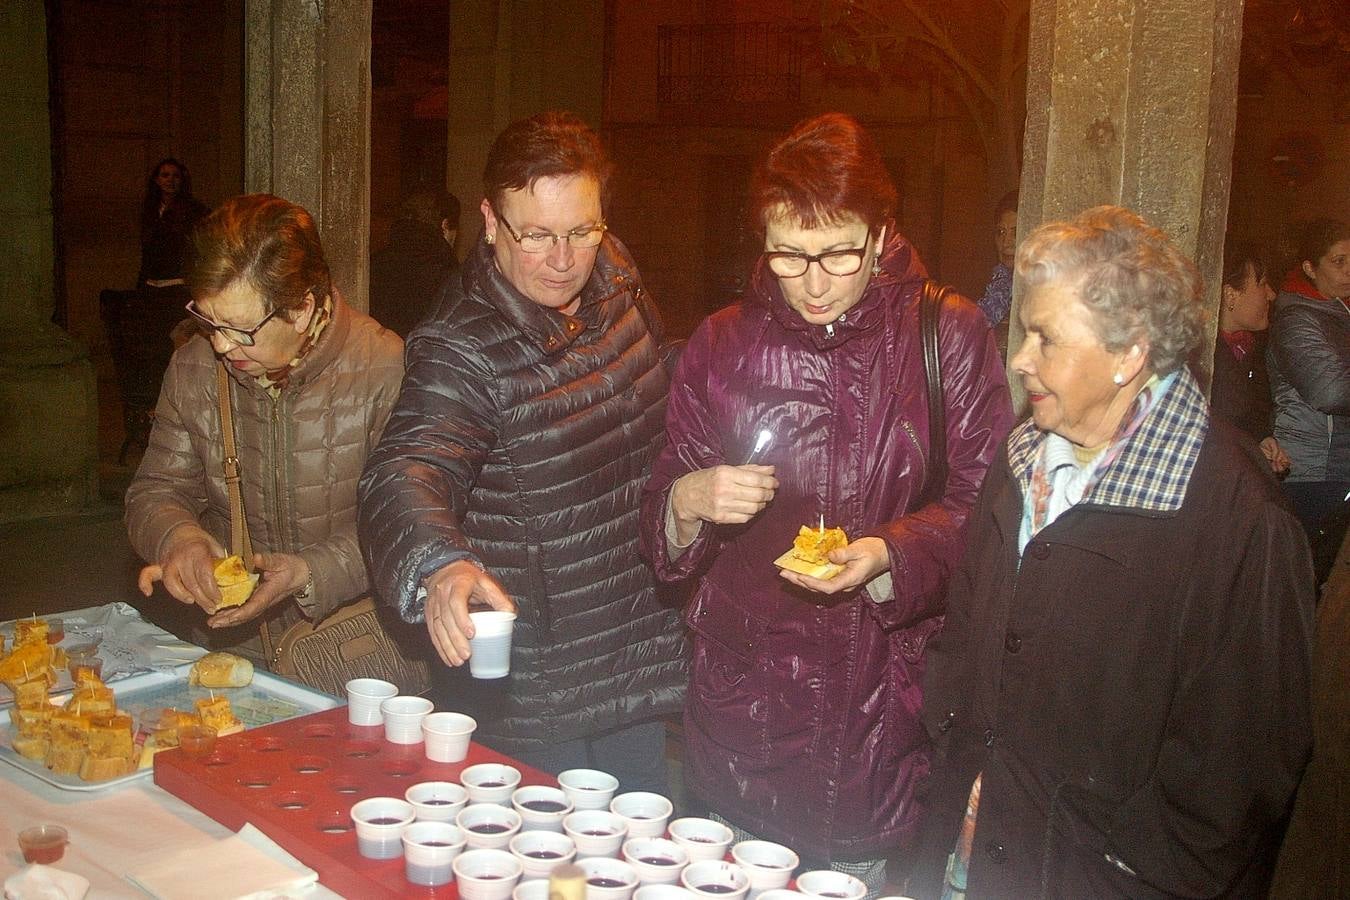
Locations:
(493, 875)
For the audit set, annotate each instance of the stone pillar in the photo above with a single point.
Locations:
(307, 114)
(510, 59)
(48, 397)
(1133, 102)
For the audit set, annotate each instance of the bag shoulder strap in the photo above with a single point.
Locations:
(930, 312)
(240, 542)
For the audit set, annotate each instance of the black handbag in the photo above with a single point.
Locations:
(930, 312)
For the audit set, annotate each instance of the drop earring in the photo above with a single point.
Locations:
(490, 239)
(876, 264)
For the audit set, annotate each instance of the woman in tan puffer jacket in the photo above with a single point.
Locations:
(311, 382)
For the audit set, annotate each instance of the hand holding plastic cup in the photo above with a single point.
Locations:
(364, 696)
(490, 646)
(447, 736)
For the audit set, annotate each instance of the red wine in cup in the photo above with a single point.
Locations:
(656, 860)
(491, 784)
(434, 801)
(600, 881)
(384, 820)
(717, 888)
(489, 828)
(543, 854)
(544, 806)
(598, 832)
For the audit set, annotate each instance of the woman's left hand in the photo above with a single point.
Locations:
(282, 575)
(863, 560)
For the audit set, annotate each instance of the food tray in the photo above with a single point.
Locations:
(297, 780)
(268, 699)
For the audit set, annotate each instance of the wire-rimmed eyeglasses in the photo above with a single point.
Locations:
(543, 241)
(242, 337)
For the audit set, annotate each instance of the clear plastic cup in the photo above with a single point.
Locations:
(588, 788)
(831, 884)
(701, 838)
(541, 808)
(769, 866)
(657, 860)
(596, 832)
(608, 878)
(364, 696)
(403, 718)
(429, 851)
(43, 844)
(447, 736)
(379, 826)
(533, 889)
(663, 892)
(715, 879)
(540, 852)
(490, 646)
(645, 813)
(437, 801)
(486, 874)
(490, 782)
(488, 826)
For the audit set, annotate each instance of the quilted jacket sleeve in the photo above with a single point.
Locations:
(926, 545)
(416, 485)
(169, 490)
(1309, 359)
(692, 443)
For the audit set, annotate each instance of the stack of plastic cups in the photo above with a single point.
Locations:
(364, 696)
(403, 719)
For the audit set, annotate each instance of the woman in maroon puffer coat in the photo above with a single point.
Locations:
(802, 715)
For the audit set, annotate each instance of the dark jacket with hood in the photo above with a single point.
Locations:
(802, 718)
(521, 442)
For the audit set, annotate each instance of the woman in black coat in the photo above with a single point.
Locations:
(1119, 697)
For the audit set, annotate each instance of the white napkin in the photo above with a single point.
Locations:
(45, 883)
(245, 865)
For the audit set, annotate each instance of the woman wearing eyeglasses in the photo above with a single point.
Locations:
(801, 723)
(311, 382)
(512, 469)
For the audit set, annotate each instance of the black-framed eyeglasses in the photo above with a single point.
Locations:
(543, 241)
(786, 264)
(242, 337)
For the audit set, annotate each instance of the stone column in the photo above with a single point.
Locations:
(307, 114)
(510, 59)
(1133, 102)
(48, 396)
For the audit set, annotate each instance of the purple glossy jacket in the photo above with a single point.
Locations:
(802, 718)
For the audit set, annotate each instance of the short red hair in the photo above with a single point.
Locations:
(825, 170)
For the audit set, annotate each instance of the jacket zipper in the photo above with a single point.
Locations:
(283, 542)
(914, 437)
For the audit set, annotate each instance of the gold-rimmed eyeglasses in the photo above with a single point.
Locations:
(543, 241)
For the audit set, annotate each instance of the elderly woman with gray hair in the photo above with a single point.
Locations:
(1119, 699)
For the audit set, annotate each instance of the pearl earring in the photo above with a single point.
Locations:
(490, 239)
(1118, 379)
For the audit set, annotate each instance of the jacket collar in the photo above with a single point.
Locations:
(548, 329)
(1297, 283)
(900, 266)
(1152, 472)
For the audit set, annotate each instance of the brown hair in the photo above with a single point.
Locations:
(543, 146)
(271, 243)
(1317, 237)
(826, 169)
(1237, 256)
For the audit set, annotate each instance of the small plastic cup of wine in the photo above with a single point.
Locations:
(44, 844)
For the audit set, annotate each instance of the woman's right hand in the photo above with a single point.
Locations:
(726, 495)
(187, 569)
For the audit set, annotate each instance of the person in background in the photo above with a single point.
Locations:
(1309, 362)
(168, 214)
(512, 468)
(1240, 391)
(1119, 698)
(801, 724)
(406, 276)
(311, 384)
(996, 302)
